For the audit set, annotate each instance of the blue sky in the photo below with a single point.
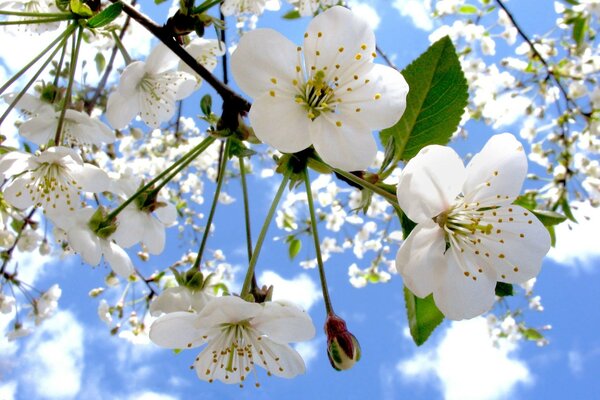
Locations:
(72, 355)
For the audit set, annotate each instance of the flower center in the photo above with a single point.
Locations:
(316, 96)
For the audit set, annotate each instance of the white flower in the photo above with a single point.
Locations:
(328, 93)
(91, 247)
(104, 312)
(18, 332)
(7, 304)
(47, 304)
(179, 298)
(205, 51)
(240, 336)
(147, 224)
(150, 89)
(256, 7)
(308, 8)
(469, 236)
(33, 6)
(52, 179)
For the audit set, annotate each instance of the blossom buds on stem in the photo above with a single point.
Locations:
(343, 348)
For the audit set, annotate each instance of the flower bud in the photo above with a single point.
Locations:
(343, 349)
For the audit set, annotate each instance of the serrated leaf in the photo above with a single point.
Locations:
(100, 62)
(293, 14)
(106, 16)
(468, 9)
(435, 103)
(504, 289)
(423, 316)
(294, 248)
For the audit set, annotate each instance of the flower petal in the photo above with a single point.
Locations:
(86, 244)
(343, 141)
(280, 122)
(461, 297)
(421, 257)
(176, 330)
(17, 193)
(161, 58)
(154, 234)
(264, 55)
(91, 178)
(284, 323)
(499, 169)
(378, 97)
(338, 37)
(280, 359)
(118, 259)
(516, 244)
(430, 182)
(227, 309)
(39, 130)
(120, 109)
(130, 79)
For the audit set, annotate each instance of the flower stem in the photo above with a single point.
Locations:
(213, 206)
(33, 79)
(182, 162)
(315, 235)
(34, 14)
(36, 21)
(261, 237)
(246, 207)
(67, 99)
(122, 48)
(58, 39)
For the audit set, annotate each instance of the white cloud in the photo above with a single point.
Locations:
(53, 358)
(8, 390)
(366, 12)
(577, 244)
(151, 396)
(417, 11)
(467, 365)
(300, 290)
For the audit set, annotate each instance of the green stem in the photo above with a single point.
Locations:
(60, 37)
(213, 206)
(67, 99)
(185, 160)
(32, 14)
(246, 207)
(35, 21)
(35, 76)
(122, 48)
(261, 237)
(315, 234)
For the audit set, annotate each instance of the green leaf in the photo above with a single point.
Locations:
(532, 334)
(294, 248)
(106, 16)
(159, 1)
(504, 289)
(468, 9)
(435, 103)
(293, 14)
(63, 5)
(423, 316)
(80, 8)
(206, 104)
(100, 62)
(566, 208)
(549, 218)
(526, 201)
(580, 28)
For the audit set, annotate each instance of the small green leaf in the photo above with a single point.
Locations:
(435, 103)
(526, 201)
(159, 1)
(549, 218)
(468, 9)
(423, 316)
(532, 334)
(63, 5)
(206, 104)
(580, 28)
(293, 14)
(106, 16)
(294, 248)
(80, 8)
(504, 289)
(100, 62)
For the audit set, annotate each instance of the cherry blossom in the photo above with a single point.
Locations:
(239, 336)
(179, 298)
(205, 51)
(469, 235)
(149, 89)
(52, 179)
(308, 8)
(256, 7)
(327, 93)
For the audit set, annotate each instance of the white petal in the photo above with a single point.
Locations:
(516, 244)
(187, 85)
(118, 259)
(154, 235)
(86, 244)
(176, 330)
(91, 178)
(39, 130)
(499, 169)
(15, 162)
(120, 110)
(421, 258)
(166, 214)
(130, 79)
(284, 323)
(17, 194)
(461, 297)
(378, 97)
(281, 123)
(343, 141)
(160, 59)
(227, 309)
(130, 228)
(430, 182)
(280, 360)
(262, 55)
(338, 37)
